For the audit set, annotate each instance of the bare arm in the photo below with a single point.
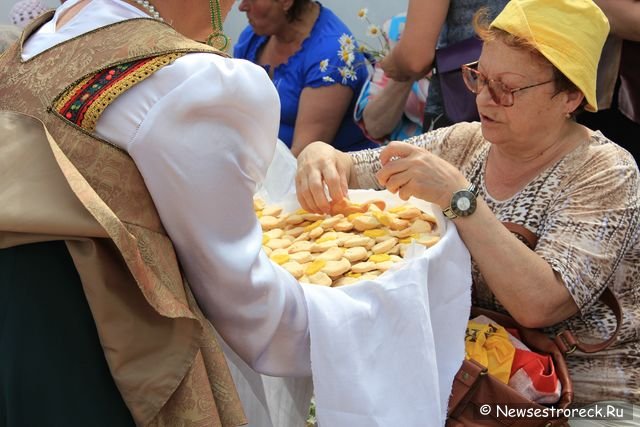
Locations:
(624, 17)
(522, 281)
(320, 113)
(384, 110)
(412, 58)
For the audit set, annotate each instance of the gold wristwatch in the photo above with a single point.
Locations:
(463, 203)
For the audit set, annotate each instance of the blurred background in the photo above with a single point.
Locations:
(378, 11)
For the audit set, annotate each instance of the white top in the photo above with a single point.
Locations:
(202, 132)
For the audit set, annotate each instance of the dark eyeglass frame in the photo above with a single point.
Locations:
(500, 93)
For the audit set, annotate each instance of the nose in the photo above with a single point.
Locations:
(484, 97)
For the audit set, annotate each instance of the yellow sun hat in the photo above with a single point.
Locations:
(569, 33)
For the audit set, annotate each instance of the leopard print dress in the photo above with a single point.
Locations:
(585, 210)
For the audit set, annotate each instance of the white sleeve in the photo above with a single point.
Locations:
(202, 149)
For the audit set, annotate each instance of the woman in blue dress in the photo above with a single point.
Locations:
(313, 61)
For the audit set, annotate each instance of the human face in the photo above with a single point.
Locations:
(266, 17)
(522, 116)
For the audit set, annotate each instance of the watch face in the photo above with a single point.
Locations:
(463, 203)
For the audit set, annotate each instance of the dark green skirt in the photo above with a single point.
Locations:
(52, 368)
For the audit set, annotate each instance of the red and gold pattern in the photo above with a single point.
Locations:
(83, 103)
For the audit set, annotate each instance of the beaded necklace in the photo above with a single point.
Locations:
(149, 8)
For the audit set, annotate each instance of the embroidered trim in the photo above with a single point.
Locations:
(84, 103)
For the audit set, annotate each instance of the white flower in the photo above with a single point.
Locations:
(347, 42)
(346, 55)
(347, 73)
(324, 64)
(328, 79)
(351, 74)
(373, 30)
(362, 13)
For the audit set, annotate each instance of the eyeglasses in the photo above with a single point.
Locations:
(500, 93)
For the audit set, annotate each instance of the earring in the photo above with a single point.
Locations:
(567, 115)
(217, 39)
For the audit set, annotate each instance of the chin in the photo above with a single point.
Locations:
(261, 31)
(492, 134)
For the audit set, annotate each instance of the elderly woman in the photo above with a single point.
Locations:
(527, 162)
(309, 55)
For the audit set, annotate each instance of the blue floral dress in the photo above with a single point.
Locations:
(303, 69)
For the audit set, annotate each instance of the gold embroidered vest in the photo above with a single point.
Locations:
(58, 182)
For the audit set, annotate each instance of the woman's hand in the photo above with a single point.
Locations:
(392, 71)
(412, 171)
(320, 164)
(384, 105)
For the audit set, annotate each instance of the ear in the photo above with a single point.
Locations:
(286, 4)
(573, 100)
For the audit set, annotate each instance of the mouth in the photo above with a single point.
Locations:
(486, 119)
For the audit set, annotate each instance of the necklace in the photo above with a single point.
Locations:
(149, 8)
(217, 38)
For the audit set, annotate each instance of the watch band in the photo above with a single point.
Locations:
(448, 212)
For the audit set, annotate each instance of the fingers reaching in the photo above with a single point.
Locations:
(396, 149)
(322, 176)
(394, 163)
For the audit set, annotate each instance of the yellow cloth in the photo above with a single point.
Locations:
(489, 345)
(569, 33)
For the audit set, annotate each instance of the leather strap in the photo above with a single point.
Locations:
(565, 340)
(568, 343)
(465, 383)
(522, 233)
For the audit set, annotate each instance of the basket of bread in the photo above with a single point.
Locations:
(361, 237)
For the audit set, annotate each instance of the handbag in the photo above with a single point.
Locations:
(474, 388)
(459, 102)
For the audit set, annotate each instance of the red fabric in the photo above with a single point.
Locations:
(539, 369)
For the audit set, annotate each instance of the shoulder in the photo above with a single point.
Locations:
(209, 81)
(329, 29)
(327, 39)
(597, 178)
(329, 22)
(599, 154)
(603, 159)
(213, 96)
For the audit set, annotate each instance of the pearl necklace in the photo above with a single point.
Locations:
(149, 8)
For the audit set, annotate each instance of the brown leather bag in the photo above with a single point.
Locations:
(474, 387)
